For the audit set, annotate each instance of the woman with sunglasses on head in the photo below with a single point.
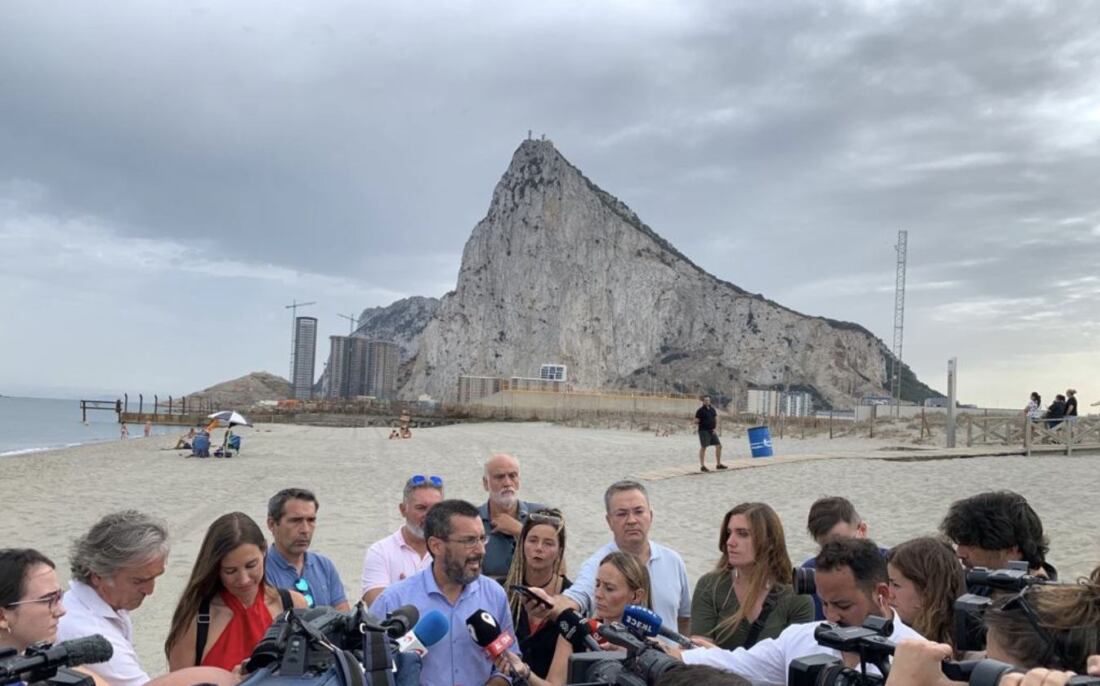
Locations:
(748, 595)
(539, 562)
(925, 580)
(227, 591)
(621, 580)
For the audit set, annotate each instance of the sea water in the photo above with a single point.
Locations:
(30, 425)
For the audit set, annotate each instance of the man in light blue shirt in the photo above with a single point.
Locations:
(454, 586)
(629, 516)
(292, 519)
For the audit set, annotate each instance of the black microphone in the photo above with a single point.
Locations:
(401, 621)
(576, 631)
(44, 659)
(485, 630)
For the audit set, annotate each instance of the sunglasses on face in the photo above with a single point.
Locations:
(50, 600)
(420, 479)
(302, 586)
(545, 518)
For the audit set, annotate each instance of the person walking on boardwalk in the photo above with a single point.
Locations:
(706, 420)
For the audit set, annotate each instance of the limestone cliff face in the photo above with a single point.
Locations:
(561, 271)
(401, 322)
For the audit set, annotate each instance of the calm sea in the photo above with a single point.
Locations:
(32, 424)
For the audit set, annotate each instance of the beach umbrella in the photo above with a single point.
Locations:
(230, 417)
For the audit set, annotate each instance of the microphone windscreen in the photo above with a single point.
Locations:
(87, 650)
(431, 628)
(401, 620)
(642, 619)
(483, 627)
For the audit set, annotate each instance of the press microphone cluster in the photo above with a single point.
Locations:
(647, 624)
(577, 631)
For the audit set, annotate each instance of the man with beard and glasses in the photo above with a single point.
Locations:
(852, 584)
(503, 514)
(292, 519)
(454, 586)
(404, 552)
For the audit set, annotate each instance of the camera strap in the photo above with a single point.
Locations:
(758, 626)
(377, 665)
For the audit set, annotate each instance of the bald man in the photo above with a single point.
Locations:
(503, 514)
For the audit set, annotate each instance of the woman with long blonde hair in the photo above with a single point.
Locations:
(748, 595)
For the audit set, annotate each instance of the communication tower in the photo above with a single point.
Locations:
(899, 319)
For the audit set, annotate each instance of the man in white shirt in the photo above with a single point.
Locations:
(852, 584)
(404, 552)
(630, 517)
(114, 567)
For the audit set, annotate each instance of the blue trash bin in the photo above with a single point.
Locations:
(760, 441)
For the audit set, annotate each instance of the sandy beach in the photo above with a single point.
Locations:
(358, 474)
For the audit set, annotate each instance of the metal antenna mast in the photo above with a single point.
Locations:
(899, 319)
(353, 321)
(293, 307)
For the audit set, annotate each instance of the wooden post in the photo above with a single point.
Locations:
(874, 412)
(830, 424)
(156, 401)
(141, 403)
(1027, 436)
(83, 412)
(952, 366)
(970, 430)
(126, 403)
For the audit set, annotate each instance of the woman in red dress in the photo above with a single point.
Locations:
(227, 592)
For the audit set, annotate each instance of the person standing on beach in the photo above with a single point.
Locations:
(292, 519)
(1071, 404)
(123, 432)
(114, 567)
(630, 517)
(148, 428)
(706, 420)
(503, 514)
(454, 585)
(404, 552)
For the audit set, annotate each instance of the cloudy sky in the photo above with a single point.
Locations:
(172, 174)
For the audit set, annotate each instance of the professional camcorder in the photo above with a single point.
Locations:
(870, 642)
(970, 608)
(43, 663)
(322, 647)
(641, 665)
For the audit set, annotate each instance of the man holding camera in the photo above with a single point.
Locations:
(454, 586)
(992, 529)
(852, 584)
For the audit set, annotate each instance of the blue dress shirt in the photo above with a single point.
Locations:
(325, 586)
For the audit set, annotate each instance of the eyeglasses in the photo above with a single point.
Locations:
(302, 586)
(470, 542)
(420, 479)
(1019, 602)
(50, 599)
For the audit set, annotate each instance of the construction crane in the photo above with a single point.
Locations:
(902, 249)
(293, 307)
(353, 321)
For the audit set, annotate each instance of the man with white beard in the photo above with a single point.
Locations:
(404, 552)
(503, 514)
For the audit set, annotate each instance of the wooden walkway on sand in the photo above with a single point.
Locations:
(893, 455)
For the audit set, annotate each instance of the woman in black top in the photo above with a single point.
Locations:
(539, 562)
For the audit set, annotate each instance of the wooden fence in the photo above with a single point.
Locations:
(1079, 433)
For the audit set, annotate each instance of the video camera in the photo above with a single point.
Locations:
(970, 608)
(641, 665)
(321, 646)
(871, 643)
(43, 663)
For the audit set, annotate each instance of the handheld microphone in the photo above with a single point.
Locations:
(41, 660)
(485, 631)
(646, 623)
(577, 631)
(401, 621)
(427, 632)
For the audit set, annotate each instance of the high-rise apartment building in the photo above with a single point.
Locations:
(382, 360)
(305, 353)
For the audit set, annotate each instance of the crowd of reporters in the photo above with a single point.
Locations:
(981, 588)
